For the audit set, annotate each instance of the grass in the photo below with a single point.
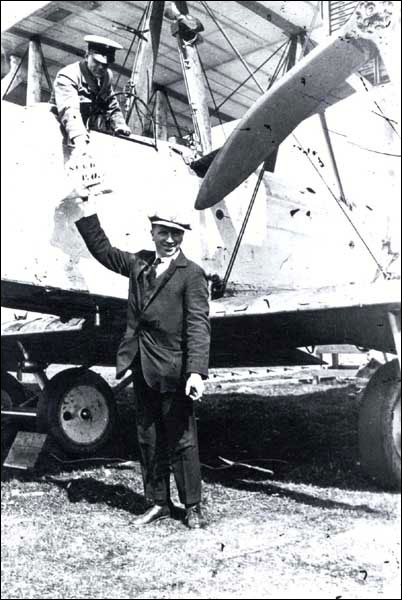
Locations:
(317, 528)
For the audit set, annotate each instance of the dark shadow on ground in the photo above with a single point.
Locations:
(275, 489)
(91, 490)
(308, 438)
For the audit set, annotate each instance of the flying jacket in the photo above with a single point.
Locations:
(170, 327)
(77, 98)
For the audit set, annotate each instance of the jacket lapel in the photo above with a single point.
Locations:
(180, 261)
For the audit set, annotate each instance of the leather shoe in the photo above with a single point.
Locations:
(195, 518)
(155, 513)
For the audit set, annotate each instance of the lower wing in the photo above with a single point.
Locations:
(247, 330)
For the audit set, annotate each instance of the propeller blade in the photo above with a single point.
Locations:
(297, 95)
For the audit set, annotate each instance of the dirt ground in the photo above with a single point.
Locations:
(316, 528)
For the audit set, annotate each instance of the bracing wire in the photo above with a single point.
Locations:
(16, 72)
(280, 64)
(249, 77)
(131, 44)
(344, 212)
(235, 50)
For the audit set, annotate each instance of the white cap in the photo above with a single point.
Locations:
(155, 220)
(172, 219)
(102, 48)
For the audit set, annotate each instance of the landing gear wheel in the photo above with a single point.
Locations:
(380, 426)
(79, 410)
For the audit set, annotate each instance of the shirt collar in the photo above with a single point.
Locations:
(168, 259)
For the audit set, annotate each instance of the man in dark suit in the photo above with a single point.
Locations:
(83, 96)
(166, 345)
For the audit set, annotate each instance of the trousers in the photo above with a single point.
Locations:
(167, 438)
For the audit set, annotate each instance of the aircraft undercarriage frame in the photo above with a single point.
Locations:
(77, 407)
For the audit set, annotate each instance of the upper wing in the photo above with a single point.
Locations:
(296, 96)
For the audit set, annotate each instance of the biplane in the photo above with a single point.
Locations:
(298, 251)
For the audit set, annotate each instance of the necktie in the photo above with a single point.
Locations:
(150, 273)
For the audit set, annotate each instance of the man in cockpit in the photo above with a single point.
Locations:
(83, 97)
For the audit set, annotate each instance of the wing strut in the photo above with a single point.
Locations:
(325, 130)
(242, 230)
(288, 59)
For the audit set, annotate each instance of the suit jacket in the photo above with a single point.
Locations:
(76, 96)
(169, 327)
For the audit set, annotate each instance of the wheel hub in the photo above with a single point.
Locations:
(84, 414)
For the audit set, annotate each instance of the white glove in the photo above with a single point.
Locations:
(195, 386)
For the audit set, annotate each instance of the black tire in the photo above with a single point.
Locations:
(380, 427)
(78, 409)
(12, 391)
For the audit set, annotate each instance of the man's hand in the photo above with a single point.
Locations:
(88, 205)
(195, 386)
(80, 144)
(123, 130)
